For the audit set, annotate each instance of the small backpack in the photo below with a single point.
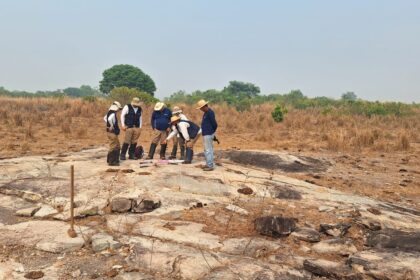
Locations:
(139, 152)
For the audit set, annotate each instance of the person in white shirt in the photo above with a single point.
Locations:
(131, 121)
(188, 131)
(177, 111)
(113, 131)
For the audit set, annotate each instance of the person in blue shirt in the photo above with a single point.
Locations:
(161, 119)
(208, 128)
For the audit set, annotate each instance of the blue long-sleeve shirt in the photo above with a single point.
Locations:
(161, 119)
(209, 123)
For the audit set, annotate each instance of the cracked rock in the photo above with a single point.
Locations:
(27, 212)
(121, 204)
(275, 226)
(145, 206)
(307, 234)
(335, 230)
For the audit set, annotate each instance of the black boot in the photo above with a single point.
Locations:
(123, 151)
(182, 152)
(114, 158)
(131, 151)
(189, 156)
(174, 150)
(163, 151)
(108, 156)
(152, 151)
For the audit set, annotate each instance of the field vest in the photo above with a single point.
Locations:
(116, 130)
(132, 119)
(193, 129)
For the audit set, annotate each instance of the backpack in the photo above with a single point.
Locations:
(138, 152)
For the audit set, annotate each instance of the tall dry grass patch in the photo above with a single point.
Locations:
(37, 125)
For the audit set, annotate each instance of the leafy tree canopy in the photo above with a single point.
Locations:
(125, 75)
(349, 96)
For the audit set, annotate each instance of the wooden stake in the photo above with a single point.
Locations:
(72, 233)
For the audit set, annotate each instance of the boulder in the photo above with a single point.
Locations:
(338, 246)
(121, 204)
(275, 226)
(145, 206)
(335, 230)
(307, 234)
(390, 238)
(27, 212)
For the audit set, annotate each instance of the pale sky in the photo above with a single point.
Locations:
(324, 48)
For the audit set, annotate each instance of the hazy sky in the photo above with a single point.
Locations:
(320, 47)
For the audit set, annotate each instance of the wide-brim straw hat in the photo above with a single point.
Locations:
(136, 102)
(176, 110)
(115, 106)
(159, 106)
(201, 103)
(175, 118)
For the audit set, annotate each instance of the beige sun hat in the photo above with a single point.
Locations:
(176, 110)
(201, 103)
(175, 118)
(159, 106)
(136, 102)
(115, 106)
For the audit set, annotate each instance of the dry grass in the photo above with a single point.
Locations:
(45, 125)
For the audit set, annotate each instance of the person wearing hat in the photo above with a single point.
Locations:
(131, 120)
(188, 131)
(208, 127)
(113, 131)
(177, 111)
(161, 118)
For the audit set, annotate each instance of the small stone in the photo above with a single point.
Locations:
(121, 205)
(45, 211)
(335, 230)
(374, 211)
(117, 266)
(34, 275)
(245, 190)
(27, 212)
(324, 208)
(307, 234)
(237, 209)
(275, 226)
(76, 273)
(145, 206)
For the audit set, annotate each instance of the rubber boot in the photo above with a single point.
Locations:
(163, 151)
(123, 151)
(189, 156)
(174, 151)
(114, 158)
(131, 151)
(152, 151)
(108, 157)
(182, 152)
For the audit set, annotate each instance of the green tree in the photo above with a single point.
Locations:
(240, 89)
(124, 75)
(124, 95)
(278, 113)
(349, 96)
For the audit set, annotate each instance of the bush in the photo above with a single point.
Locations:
(278, 113)
(89, 98)
(124, 95)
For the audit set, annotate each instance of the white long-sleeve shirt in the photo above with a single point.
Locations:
(174, 130)
(111, 120)
(181, 128)
(124, 112)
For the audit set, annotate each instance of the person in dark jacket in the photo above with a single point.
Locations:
(208, 128)
(113, 131)
(161, 119)
(131, 121)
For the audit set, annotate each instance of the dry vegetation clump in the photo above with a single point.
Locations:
(50, 125)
